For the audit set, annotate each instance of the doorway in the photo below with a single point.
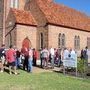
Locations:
(26, 43)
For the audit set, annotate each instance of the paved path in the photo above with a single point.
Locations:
(40, 70)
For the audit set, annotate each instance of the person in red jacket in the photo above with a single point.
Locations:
(10, 57)
(35, 56)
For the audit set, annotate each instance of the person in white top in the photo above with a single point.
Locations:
(73, 54)
(45, 56)
(52, 54)
(30, 60)
(66, 53)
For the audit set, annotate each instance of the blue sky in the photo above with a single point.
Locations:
(80, 5)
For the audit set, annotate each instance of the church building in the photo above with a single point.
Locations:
(39, 23)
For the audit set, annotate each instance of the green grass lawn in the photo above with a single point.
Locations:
(42, 81)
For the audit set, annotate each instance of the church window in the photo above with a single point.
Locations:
(11, 3)
(59, 40)
(88, 42)
(63, 40)
(14, 3)
(41, 40)
(77, 42)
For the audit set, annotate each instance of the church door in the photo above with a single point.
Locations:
(26, 43)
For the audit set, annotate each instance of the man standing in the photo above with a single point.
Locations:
(10, 57)
(41, 58)
(2, 57)
(86, 56)
(52, 57)
(45, 56)
(82, 54)
(85, 53)
(18, 53)
(35, 55)
(25, 53)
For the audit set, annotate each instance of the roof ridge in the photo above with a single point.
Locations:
(80, 12)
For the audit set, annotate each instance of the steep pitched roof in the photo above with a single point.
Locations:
(24, 17)
(58, 14)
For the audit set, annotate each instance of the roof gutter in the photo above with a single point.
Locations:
(27, 24)
(68, 27)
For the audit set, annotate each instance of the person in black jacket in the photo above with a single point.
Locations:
(2, 57)
(82, 54)
(18, 53)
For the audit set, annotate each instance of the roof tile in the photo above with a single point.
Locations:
(23, 17)
(59, 14)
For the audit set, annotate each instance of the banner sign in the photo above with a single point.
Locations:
(88, 52)
(70, 62)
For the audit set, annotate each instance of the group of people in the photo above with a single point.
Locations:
(84, 53)
(16, 58)
(55, 56)
(27, 57)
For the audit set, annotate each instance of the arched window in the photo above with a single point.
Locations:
(41, 40)
(59, 40)
(14, 3)
(11, 3)
(26, 43)
(88, 42)
(77, 42)
(63, 40)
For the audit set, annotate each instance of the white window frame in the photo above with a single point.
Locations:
(11, 3)
(16, 3)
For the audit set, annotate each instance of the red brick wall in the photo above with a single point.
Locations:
(1, 21)
(54, 31)
(22, 32)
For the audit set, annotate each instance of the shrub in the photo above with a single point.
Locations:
(81, 66)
